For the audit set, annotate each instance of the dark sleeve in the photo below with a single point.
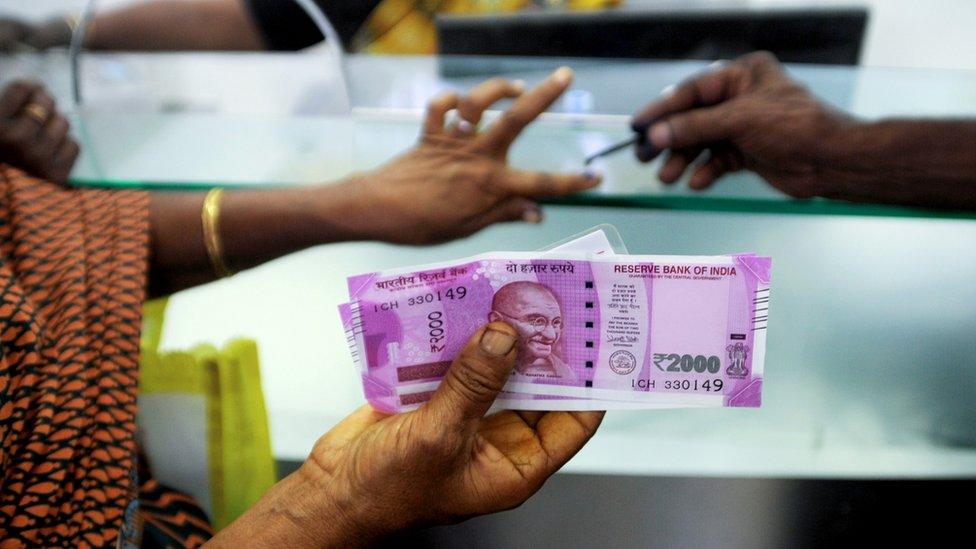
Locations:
(285, 26)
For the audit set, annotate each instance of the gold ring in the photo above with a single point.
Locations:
(37, 112)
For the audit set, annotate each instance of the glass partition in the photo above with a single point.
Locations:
(871, 324)
(290, 133)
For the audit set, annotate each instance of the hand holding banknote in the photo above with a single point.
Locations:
(374, 474)
(457, 181)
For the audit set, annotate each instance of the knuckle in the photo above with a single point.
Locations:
(467, 105)
(18, 87)
(41, 96)
(19, 132)
(475, 380)
(439, 103)
(434, 105)
(764, 63)
(58, 128)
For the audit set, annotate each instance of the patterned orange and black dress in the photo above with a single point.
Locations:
(73, 267)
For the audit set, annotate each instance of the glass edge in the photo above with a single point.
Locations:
(677, 203)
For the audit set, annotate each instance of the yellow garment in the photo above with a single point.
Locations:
(407, 26)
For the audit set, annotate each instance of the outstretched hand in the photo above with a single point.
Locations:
(457, 181)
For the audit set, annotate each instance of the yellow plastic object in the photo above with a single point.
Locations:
(407, 26)
(240, 462)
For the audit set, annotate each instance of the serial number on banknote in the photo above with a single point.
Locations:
(709, 385)
(439, 295)
(450, 294)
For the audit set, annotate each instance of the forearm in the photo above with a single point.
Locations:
(176, 25)
(254, 226)
(909, 162)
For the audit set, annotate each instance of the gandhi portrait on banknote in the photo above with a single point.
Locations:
(534, 311)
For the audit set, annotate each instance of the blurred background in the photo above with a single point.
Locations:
(868, 408)
(898, 33)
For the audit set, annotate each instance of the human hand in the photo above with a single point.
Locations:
(456, 181)
(15, 34)
(749, 115)
(33, 135)
(445, 461)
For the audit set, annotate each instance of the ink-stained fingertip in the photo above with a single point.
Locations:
(645, 152)
(593, 176)
(640, 124)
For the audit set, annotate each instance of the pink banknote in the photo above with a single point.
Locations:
(599, 240)
(637, 331)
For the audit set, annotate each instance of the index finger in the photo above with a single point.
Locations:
(544, 184)
(703, 90)
(562, 434)
(527, 108)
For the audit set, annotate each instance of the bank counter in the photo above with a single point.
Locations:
(870, 372)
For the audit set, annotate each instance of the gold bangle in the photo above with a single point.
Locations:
(210, 215)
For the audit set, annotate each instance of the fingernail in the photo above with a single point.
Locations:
(660, 135)
(668, 90)
(465, 127)
(518, 85)
(532, 215)
(592, 174)
(563, 75)
(497, 343)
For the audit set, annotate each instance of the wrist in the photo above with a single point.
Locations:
(343, 212)
(844, 151)
(339, 516)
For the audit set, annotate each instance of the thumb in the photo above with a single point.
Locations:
(695, 128)
(475, 377)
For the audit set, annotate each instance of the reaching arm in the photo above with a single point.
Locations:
(453, 183)
(910, 162)
(177, 25)
(751, 115)
(151, 25)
